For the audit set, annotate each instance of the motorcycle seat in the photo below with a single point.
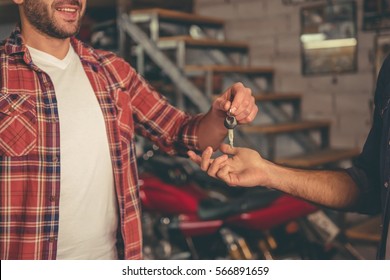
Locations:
(211, 209)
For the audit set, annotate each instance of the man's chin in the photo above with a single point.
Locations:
(67, 31)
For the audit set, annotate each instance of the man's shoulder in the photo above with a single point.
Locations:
(119, 70)
(116, 67)
(382, 94)
(386, 64)
(110, 58)
(86, 51)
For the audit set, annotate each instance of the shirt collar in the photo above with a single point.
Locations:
(14, 45)
(86, 53)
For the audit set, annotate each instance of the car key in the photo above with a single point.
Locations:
(230, 123)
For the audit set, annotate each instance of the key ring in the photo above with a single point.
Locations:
(229, 113)
(230, 122)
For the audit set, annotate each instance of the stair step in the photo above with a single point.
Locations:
(275, 97)
(286, 127)
(320, 157)
(368, 230)
(294, 99)
(197, 81)
(182, 5)
(203, 43)
(278, 97)
(176, 17)
(230, 69)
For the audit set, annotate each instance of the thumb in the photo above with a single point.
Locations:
(222, 104)
(227, 149)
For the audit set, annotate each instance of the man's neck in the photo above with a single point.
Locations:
(40, 41)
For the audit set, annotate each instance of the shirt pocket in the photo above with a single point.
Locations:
(124, 115)
(18, 124)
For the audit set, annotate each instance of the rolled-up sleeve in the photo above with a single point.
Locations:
(173, 130)
(368, 168)
(366, 171)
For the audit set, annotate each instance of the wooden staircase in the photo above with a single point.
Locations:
(216, 63)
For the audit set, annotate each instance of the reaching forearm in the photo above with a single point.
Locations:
(334, 189)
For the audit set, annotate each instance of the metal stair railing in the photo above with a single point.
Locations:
(172, 71)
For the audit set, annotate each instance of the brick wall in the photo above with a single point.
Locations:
(273, 31)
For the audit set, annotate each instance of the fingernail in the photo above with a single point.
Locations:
(233, 109)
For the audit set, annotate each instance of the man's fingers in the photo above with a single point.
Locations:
(252, 115)
(194, 157)
(247, 112)
(242, 98)
(239, 100)
(216, 165)
(206, 157)
(225, 175)
(236, 98)
(224, 102)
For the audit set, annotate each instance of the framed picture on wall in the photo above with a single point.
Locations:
(382, 50)
(329, 39)
(376, 15)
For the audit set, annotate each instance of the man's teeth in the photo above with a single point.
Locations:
(69, 10)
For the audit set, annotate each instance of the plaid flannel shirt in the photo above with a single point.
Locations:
(30, 163)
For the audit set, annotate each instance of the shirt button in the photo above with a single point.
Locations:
(52, 239)
(53, 198)
(11, 109)
(386, 185)
(55, 159)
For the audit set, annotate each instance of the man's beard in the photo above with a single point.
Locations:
(38, 15)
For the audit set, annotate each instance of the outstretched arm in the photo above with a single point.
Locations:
(247, 168)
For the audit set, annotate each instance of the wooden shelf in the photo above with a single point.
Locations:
(319, 158)
(230, 69)
(205, 43)
(286, 127)
(178, 17)
(278, 97)
(368, 230)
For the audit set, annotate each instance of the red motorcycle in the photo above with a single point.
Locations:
(188, 215)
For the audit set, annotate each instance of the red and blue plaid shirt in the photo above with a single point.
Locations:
(30, 163)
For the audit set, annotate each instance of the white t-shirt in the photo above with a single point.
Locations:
(88, 208)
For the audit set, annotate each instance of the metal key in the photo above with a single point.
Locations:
(230, 123)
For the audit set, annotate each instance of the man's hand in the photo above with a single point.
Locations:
(240, 101)
(245, 168)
